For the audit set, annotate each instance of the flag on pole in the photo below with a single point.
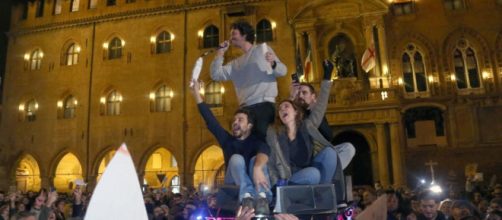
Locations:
(368, 61)
(308, 64)
(298, 60)
(118, 194)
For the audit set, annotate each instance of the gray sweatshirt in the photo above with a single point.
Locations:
(250, 75)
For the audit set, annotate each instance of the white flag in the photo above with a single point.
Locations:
(118, 194)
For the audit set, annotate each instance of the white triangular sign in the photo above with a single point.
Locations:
(118, 194)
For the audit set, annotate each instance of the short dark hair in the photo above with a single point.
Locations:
(248, 113)
(245, 28)
(428, 195)
(310, 86)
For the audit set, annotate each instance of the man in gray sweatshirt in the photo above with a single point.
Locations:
(253, 74)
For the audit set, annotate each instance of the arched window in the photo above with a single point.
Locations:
(24, 10)
(162, 99)
(74, 5)
(414, 75)
(36, 59)
(115, 48)
(214, 94)
(31, 110)
(113, 100)
(211, 37)
(39, 8)
(57, 7)
(69, 107)
(466, 66)
(93, 4)
(264, 31)
(163, 42)
(71, 54)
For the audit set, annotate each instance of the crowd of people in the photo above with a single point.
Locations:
(479, 203)
(270, 144)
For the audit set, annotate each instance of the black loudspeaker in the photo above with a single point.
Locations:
(306, 199)
(227, 197)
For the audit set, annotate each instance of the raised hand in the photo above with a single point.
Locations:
(328, 69)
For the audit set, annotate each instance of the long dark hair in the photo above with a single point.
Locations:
(300, 112)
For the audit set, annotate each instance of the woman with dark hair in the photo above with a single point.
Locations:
(293, 157)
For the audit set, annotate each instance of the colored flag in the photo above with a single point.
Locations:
(308, 65)
(368, 61)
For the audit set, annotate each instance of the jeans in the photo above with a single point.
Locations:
(321, 170)
(237, 174)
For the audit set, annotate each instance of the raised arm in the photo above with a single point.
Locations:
(212, 123)
(218, 71)
(319, 108)
(278, 68)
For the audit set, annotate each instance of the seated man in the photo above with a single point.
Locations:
(245, 154)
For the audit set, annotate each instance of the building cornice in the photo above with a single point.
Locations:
(124, 15)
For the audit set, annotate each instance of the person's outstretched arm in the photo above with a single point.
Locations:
(319, 108)
(218, 71)
(212, 123)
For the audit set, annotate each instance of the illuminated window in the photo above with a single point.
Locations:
(264, 32)
(69, 107)
(72, 54)
(414, 75)
(466, 66)
(39, 8)
(28, 174)
(57, 7)
(115, 49)
(208, 166)
(454, 4)
(31, 110)
(36, 59)
(74, 5)
(113, 101)
(211, 37)
(111, 2)
(163, 42)
(162, 99)
(68, 171)
(175, 184)
(159, 169)
(93, 4)
(403, 8)
(214, 94)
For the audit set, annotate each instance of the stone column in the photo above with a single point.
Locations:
(397, 161)
(383, 164)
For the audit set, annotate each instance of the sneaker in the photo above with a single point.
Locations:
(261, 208)
(248, 202)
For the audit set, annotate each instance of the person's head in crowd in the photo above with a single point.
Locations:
(494, 215)
(368, 197)
(20, 206)
(211, 201)
(428, 205)
(158, 212)
(461, 209)
(188, 210)
(4, 211)
(241, 33)
(495, 205)
(242, 124)
(445, 207)
(2, 196)
(483, 206)
(51, 215)
(306, 95)
(393, 200)
(477, 197)
(60, 205)
(165, 209)
(25, 216)
(378, 185)
(177, 198)
(39, 201)
(289, 113)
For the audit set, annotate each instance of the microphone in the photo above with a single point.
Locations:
(225, 45)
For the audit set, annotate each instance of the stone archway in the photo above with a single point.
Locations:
(360, 168)
(207, 167)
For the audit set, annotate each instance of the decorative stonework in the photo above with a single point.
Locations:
(368, 115)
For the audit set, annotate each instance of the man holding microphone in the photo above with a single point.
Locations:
(253, 74)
